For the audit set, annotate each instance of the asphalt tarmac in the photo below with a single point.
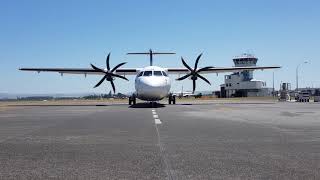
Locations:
(231, 140)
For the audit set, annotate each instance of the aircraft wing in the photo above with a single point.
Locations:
(85, 71)
(221, 69)
(134, 71)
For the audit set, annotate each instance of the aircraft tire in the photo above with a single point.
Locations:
(134, 101)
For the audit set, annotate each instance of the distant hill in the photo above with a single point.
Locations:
(54, 95)
(57, 95)
(7, 96)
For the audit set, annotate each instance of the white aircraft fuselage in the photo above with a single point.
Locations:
(152, 84)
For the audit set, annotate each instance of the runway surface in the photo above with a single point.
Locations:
(246, 140)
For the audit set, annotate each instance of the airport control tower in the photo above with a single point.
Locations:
(242, 84)
(245, 60)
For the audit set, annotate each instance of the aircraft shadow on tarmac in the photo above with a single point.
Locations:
(147, 105)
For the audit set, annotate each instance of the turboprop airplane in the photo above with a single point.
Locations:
(152, 83)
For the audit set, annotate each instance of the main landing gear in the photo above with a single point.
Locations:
(172, 99)
(132, 99)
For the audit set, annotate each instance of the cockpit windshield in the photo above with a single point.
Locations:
(152, 73)
(140, 74)
(164, 73)
(147, 73)
(157, 73)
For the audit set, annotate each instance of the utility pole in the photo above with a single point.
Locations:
(182, 91)
(273, 94)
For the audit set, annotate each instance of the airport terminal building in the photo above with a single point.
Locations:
(242, 84)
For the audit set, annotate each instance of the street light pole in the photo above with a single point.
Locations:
(297, 75)
(273, 84)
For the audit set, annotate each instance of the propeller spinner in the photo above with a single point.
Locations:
(194, 73)
(109, 74)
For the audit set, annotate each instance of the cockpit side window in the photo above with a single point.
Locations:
(147, 73)
(157, 73)
(140, 74)
(164, 73)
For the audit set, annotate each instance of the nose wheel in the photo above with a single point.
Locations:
(132, 100)
(172, 99)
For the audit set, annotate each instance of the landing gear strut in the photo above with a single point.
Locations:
(132, 99)
(172, 99)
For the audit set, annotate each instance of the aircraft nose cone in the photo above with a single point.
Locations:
(153, 87)
(155, 83)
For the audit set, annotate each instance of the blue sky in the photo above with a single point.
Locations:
(77, 33)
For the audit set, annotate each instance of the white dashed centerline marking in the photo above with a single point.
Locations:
(157, 121)
(166, 161)
(156, 117)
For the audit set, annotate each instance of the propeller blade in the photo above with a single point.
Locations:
(183, 77)
(109, 74)
(186, 65)
(122, 77)
(194, 86)
(197, 61)
(113, 87)
(117, 66)
(203, 78)
(205, 68)
(96, 68)
(104, 77)
(107, 62)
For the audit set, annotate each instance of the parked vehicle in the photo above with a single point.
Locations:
(317, 96)
(303, 96)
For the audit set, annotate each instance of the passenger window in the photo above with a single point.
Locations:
(164, 73)
(147, 73)
(157, 73)
(140, 74)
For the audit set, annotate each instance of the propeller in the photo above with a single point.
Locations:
(109, 74)
(194, 73)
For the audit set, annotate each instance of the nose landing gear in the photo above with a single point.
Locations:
(172, 99)
(132, 99)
